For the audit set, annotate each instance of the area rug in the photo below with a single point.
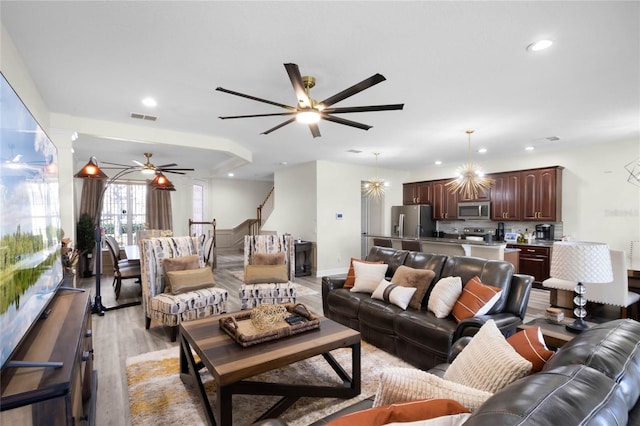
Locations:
(300, 289)
(157, 395)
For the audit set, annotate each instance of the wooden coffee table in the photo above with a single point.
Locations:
(230, 364)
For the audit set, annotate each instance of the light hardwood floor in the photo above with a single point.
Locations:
(120, 334)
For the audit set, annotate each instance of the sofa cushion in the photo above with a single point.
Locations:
(491, 272)
(476, 299)
(568, 395)
(611, 348)
(268, 258)
(351, 274)
(408, 384)
(420, 333)
(530, 344)
(420, 279)
(395, 294)
(392, 257)
(190, 280)
(444, 295)
(402, 412)
(488, 362)
(368, 276)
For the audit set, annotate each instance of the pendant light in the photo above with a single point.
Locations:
(374, 188)
(470, 178)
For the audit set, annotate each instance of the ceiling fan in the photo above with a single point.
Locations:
(309, 111)
(149, 168)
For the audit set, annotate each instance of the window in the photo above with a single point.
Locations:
(198, 209)
(123, 211)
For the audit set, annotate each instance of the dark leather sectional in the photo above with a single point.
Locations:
(417, 336)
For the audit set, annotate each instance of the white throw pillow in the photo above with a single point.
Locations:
(444, 295)
(396, 294)
(488, 362)
(368, 276)
(408, 384)
(450, 420)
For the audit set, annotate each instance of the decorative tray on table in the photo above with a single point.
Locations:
(268, 322)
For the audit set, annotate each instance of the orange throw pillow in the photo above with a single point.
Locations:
(403, 412)
(351, 275)
(476, 299)
(530, 344)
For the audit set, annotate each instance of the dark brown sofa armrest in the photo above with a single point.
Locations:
(330, 283)
(506, 322)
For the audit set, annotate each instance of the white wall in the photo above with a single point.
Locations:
(233, 201)
(598, 204)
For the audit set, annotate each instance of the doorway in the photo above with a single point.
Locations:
(371, 220)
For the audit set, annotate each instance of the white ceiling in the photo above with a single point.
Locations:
(455, 65)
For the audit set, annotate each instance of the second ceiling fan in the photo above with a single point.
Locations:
(309, 111)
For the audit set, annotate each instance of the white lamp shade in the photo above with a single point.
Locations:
(581, 262)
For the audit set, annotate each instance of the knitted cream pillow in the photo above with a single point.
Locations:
(409, 384)
(444, 295)
(368, 276)
(488, 362)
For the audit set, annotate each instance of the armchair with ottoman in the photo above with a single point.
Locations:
(416, 334)
(176, 284)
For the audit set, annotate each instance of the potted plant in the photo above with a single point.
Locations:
(86, 241)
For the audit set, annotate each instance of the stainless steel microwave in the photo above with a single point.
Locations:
(474, 210)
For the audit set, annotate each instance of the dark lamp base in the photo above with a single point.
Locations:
(578, 326)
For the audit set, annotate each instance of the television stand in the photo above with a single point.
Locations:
(34, 393)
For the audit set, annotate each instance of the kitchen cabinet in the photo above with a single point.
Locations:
(535, 261)
(542, 194)
(416, 193)
(483, 195)
(444, 202)
(505, 196)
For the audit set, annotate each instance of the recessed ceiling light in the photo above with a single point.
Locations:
(150, 102)
(482, 150)
(536, 46)
(438, 162)
(230, 174)
(74, 136)
(529, 148)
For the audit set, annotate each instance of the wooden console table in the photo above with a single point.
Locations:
(47, 395)
(303, 258)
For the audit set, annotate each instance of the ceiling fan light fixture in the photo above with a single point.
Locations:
(147, 171)
(308, 117)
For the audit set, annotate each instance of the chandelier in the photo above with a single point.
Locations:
(470, 178)
(374, 188)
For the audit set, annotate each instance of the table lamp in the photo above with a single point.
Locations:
(581, 262)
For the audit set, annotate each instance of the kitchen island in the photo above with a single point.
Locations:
(458, 247)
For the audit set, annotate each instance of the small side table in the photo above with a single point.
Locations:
(303, 258)
(555, 335)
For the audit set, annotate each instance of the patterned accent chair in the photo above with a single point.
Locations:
(252, 295)
(171, 309)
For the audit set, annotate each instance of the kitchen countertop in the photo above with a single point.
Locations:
(464, 241)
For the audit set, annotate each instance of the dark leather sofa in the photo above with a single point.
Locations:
(417, 336)
(592, 380)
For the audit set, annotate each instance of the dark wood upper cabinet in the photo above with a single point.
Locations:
(505, 196)
(416, 193)
(542, 194)
(445, 202)
(483, 195)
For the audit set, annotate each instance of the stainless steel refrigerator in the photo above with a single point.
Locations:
(412, 221)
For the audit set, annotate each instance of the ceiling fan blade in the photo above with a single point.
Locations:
(369, 108)
(166, 165)
(173, 169)
(174, 172)
(345, 122)
(315, 131)
(138, 163)
(257, 115)
(284, 123)
(298, 85)
(242, 95)
(356, 88)
(126, 166)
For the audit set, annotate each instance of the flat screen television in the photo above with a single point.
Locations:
(30, 234)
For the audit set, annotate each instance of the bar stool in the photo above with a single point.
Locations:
(412, 245)
(382, 242)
